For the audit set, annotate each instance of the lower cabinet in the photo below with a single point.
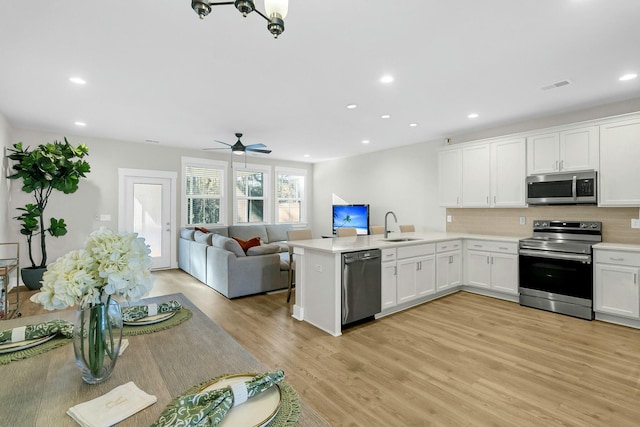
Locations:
(448, 264)
(492, 265)
(416, 272)
(388, 279)
(616, 283)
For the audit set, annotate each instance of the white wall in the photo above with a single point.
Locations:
(5, 184)
(98, 193)
(403, 180)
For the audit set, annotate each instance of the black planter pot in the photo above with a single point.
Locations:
(31, 277)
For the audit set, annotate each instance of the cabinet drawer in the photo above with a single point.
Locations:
(492, 246)
(416, 250)
(388, 255)
(617, 257)
(451, 245)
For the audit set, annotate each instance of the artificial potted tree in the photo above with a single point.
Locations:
(48, 167)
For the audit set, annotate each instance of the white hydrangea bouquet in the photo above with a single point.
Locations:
(110, 265)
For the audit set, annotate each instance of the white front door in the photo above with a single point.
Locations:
(147, 207)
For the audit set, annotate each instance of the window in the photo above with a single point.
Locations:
(251, 194)
(290, 196)
(204, 184)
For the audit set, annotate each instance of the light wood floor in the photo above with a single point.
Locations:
(461, 360)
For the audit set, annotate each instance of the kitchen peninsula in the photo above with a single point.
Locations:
(416, 267)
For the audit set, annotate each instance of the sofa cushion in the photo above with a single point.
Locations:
(277, 232)
(219, 230)
(246, 244)
(187, 233)
(246, 232)
(206, 238)
(228, 244)
(262, 250)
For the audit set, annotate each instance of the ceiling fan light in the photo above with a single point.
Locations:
(245, 6)
(239, 152)
(277, 8)
(201, 8)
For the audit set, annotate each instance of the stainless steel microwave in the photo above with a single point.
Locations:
(570, 188)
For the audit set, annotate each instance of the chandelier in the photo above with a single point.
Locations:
(276, 11)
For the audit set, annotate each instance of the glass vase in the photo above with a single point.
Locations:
(96, 340)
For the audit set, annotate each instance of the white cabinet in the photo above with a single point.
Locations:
(492, 265)
(388, 278)
(508, 173)
(476, 176)
(564, 151)
(616, 283)
(619, 157)
(415, 273)
(448, 264)
(450, 177)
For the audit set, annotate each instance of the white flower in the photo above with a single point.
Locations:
(110, 264)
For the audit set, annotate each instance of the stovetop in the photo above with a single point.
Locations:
(563, 236)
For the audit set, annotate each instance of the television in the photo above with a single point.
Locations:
(351, 216)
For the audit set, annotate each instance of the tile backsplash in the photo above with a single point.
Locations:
(616, 222)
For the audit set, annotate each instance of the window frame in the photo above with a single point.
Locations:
(267, 195)
(208, 164)
(303, 197)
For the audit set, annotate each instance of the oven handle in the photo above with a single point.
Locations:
(556, 255)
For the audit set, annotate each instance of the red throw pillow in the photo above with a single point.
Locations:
(201, 229)
(245, 245)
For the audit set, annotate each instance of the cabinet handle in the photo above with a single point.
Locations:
(616, 259)
(491, 260)
(450, 260)
(477, 246)
(487, 259)
(487, 199)
(561, 164)
(494, 200)
(503, 248)
(555, 168)
(635, 278)
(458, 201)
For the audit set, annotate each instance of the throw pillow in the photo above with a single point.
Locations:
(246, 244)
(228, 244)
(202, 229)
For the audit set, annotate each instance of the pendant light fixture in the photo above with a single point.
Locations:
(276, 11)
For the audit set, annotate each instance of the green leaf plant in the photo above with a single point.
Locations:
(53, 166)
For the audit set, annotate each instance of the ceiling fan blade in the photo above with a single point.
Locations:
(256, 146)
(257, 150)
(221, 142)
(210, 149)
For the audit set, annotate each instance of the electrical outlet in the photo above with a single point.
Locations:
(449, 218)
(635, 223)
(523, 220)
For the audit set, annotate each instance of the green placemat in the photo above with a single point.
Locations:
(181, 316)
(288, 413)
(56, 342)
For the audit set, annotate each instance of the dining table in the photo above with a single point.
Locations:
(37, 391)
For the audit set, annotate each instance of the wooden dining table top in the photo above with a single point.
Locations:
(38, 391)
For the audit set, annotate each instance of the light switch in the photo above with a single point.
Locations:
(523, 220)
(449, 218)
(105, 217)
(635, 223)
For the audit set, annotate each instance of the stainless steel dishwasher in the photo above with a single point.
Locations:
(361, 297)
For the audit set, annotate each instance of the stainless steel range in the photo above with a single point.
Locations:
(556, 270)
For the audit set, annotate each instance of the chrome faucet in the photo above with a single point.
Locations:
(386, 230)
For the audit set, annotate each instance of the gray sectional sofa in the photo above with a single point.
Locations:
(219, 261)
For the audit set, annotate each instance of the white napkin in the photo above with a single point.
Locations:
(113, 407)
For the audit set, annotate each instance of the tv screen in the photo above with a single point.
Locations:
(351, 216)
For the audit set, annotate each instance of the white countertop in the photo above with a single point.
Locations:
(618, 247)
(377, 241)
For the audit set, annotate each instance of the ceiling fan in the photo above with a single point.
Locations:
(239, 148)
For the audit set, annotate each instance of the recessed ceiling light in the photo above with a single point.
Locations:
(386, 79)
(413, 125)
(385, 116)
(77, 80)
(629, 76)
(365, 141)
(81, 124)
(351, 106)
(307, 155)
(473, 115)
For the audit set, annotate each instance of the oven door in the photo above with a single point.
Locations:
(559, 282)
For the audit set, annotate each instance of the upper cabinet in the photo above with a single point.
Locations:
(450, 177)
(565, 151)
(619, 157)
(490, 174)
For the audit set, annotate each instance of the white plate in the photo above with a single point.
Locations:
(256, 411)
(21, 345)
(149, 320)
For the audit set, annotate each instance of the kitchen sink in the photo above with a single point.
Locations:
(401, 239)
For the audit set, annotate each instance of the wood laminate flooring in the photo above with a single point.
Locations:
(461, 360)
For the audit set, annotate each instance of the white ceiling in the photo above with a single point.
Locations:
(154, 71)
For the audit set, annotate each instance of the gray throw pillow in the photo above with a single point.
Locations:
(228, 244)
(263, 250)
(206, 238)
(187, 233)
